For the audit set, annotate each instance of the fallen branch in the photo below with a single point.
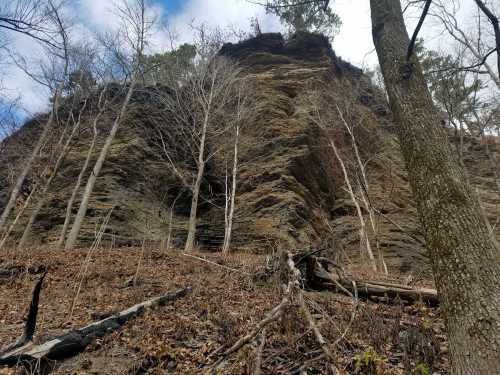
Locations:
(293, 293)
(216, 264)
(76, 341)
(270, 317)
(374, 288)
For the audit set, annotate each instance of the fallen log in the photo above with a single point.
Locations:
(370, 288)
(74, 342)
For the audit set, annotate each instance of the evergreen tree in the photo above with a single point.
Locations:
(300, 15)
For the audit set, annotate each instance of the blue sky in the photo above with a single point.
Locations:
(172, 6)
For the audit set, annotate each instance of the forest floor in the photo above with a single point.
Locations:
(366, 337)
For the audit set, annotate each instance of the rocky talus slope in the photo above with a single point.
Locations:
(291, 190)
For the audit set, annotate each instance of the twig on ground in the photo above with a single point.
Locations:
(216, 264)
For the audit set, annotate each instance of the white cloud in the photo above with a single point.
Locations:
(97, 14)
(17, 84)
(221, 13)
(354, 42)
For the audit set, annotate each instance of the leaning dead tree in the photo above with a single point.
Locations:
(101, 108)
(55, 169)
(326, 113)
(134, 33)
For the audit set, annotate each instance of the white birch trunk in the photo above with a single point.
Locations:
(229, 220)
(45, 190)
(196, 188)
(29, 163)
(73, 235)
(69, 206)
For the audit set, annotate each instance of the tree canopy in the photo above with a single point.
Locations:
(300, 15)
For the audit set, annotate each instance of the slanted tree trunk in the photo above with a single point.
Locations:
(29, 163)
(363, 233)
(69, 206)
(82, 211)
(45, 190)
(464, 258)
(20, 213)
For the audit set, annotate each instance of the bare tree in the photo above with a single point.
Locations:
(9, 123)
(195, 114)
(48, 125)
(33, 18)
(210, 92)
(242, 114)
(55, 169)
(101, 108)
(477, 44)
(325, 124)
(488, 12)
(134, 33)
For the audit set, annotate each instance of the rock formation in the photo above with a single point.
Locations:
(290, 187)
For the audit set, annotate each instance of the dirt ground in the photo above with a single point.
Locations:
(227, 300)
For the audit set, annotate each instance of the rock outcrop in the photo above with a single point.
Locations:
(290, 186)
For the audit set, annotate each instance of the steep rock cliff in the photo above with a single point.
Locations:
(291, 190)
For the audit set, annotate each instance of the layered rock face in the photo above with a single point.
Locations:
(291, 190)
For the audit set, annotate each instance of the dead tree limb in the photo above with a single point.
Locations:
(29, 328)
(76, 341)
(373, 288)
(271, 316)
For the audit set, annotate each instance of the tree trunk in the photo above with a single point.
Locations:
(18, 216)
(363, 233)
(493, 163)
(69, 207)
(74, 342)
(229, 224)
(45, 190)
(463, 256)
(73, 235)
(194, 200)
(27, 167)
(199, 178)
